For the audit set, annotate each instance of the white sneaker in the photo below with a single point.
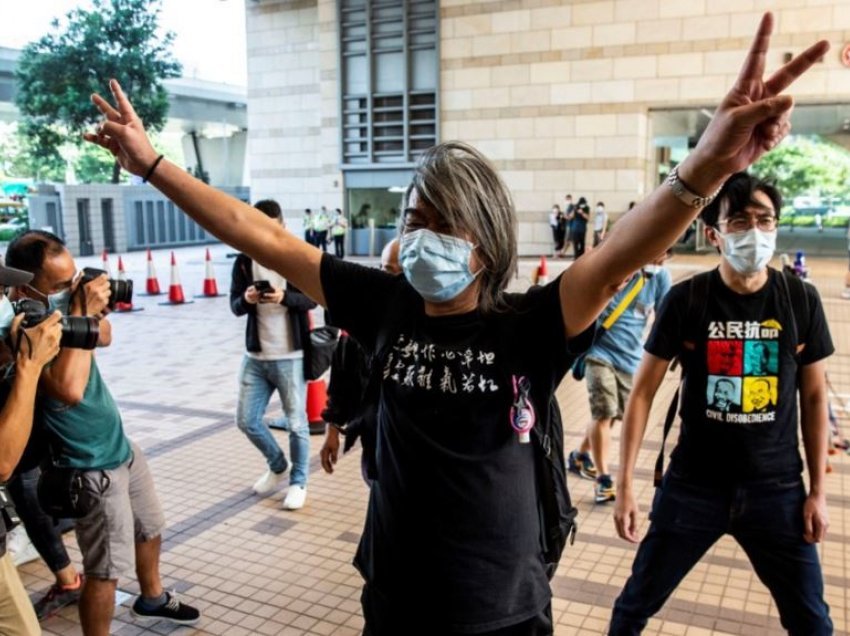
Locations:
(20, 547)
(295, 498)
(268, 483)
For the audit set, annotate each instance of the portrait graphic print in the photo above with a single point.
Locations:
(743, 371)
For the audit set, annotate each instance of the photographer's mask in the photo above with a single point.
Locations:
(436, 265)
(60, 300)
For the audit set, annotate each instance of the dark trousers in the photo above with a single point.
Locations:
(766, 519)
(339, 246)
(41, 528)
(383, 619)
(322, 240)
(579, 236)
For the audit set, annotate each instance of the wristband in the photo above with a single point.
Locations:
(685, 194)
(152, 168)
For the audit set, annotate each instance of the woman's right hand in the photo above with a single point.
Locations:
(330, 449)
(42, 342)
(123, 133)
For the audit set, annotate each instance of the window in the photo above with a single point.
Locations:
(390, 68)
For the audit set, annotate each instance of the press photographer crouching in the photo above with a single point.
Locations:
(21, 368)
(94, 473)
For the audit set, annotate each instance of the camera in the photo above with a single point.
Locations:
(263, 287)
(78, 332)
(121, 291)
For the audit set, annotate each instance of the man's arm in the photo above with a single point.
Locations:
(752, 119)
(814, 421)
(238, 284)
(66, 379)
(17, 413)
(647, 380)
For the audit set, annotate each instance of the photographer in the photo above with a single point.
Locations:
(38, 345)
(276, 335)
(87, 435)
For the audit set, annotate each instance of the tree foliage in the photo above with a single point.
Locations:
(807, 166)
(57, 74)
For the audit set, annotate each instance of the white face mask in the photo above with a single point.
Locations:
(600, 209)
(748, 252)
(651, 270)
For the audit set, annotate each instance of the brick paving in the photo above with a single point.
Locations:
(255, 569)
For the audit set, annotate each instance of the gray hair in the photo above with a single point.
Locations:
(463, 187)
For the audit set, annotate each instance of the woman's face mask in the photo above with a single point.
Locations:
(436, 265)
(748, 252)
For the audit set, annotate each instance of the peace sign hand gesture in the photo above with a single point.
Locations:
(123, 133)
(753, 117)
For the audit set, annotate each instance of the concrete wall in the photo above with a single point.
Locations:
(557, 92)
(293, 105)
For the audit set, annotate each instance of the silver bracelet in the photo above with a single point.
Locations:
(685, 194)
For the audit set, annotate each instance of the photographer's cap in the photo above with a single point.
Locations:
(11, 277)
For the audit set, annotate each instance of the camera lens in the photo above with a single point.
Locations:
(121, 292)
(79, 332)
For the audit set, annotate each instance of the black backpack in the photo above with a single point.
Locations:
(699, 287)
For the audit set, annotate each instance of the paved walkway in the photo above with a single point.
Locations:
(254, 569)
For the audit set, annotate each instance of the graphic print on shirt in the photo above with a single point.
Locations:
(444, 370)
(743, 368)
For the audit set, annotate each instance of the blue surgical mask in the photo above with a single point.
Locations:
(748, 252)
(436, 265)
(7, 315)
(60, 300)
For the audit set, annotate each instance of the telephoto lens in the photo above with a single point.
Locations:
(121, 291)
(78, 332)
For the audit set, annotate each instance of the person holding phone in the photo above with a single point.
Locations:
(276, 336)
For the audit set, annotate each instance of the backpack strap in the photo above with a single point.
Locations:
(797, 305)
(699, 288)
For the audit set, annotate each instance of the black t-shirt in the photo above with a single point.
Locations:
(452, 532)
(739, 405)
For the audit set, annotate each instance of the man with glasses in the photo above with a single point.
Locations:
(735, 471)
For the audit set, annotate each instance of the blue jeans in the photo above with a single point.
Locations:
(765, 518)
(258, 379)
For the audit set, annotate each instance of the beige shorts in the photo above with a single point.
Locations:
(608, 390)
(17, 617)
(128, 512)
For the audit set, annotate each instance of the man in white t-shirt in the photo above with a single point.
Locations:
(276, 336)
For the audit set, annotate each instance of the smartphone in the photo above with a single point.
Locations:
(263, 287)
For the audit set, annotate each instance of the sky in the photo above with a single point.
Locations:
(209, 34)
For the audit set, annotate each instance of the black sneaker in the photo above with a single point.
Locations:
(172, 611)
(56, 598)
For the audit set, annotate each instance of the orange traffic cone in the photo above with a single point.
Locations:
(152, 282)
(105, 259)
(175, 290)
(210, 285)
(317, 398)
(542, 272)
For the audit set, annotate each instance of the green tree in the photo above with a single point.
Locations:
(57, 73)
(807, 166)
(34, 156)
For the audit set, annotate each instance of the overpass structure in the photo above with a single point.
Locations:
(209, 120)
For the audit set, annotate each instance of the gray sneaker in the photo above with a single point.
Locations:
(56, 598)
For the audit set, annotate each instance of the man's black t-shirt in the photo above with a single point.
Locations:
(739, 405)
(452, 531)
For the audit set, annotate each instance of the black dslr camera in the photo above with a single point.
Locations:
(78, 332)
(121, 290)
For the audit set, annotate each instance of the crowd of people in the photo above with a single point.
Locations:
(452, 384)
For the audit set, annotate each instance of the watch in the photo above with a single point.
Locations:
(685, 194)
